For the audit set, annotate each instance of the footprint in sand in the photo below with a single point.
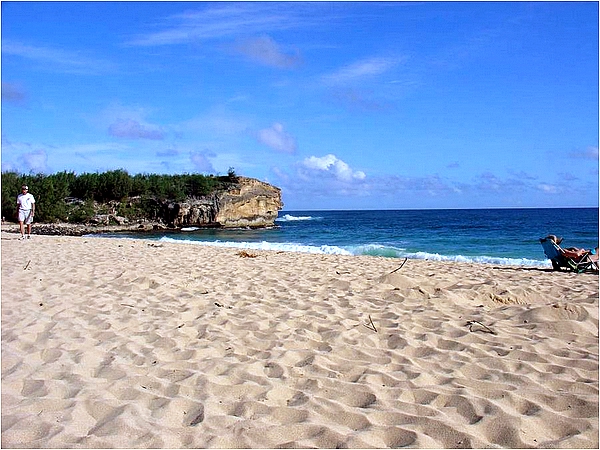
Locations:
(273, 370)
(34, 388)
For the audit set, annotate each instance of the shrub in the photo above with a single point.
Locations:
(51, 192)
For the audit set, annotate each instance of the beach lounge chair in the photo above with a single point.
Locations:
(560, 260)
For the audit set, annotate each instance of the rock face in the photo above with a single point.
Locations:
(247, 203)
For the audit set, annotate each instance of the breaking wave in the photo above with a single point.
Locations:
(290, 218)
(370, 250)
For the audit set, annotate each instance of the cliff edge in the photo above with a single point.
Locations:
(246, 203)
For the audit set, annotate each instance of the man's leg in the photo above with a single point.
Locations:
(22, 227)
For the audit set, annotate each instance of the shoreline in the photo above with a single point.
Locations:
(137, 343)
(148, 230)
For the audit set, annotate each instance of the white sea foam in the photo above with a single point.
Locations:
(274, 246)
(480, 259)
(372, 250)
(190, 229)
(290, 218)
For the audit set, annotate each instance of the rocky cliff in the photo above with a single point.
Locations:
(240, 203)
(246, 203)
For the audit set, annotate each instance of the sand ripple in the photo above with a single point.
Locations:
(116, 343)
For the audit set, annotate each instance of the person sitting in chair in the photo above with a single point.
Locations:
(574, 252)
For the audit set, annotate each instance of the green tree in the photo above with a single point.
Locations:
(11, 187)
(84, 186)
(52, 191)
(113, 185)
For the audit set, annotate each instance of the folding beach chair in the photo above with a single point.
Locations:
(559, 260)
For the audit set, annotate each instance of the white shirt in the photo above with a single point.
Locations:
(25, 201)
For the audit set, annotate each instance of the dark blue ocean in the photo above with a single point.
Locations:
(497, 236)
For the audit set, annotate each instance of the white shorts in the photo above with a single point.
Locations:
(25, 216)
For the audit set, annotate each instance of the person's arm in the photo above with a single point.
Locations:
(574, 252)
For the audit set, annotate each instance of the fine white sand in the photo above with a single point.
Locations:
(134, 343)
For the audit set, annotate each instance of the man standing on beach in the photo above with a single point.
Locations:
(25, 210)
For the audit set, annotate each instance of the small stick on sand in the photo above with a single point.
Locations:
(27, 265)
(396, 270)
(370, 325)
(485, 330)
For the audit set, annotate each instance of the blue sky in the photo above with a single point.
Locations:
(359, 105)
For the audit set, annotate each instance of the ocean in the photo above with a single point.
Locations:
(495, 236)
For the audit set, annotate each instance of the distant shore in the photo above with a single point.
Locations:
(72, 229)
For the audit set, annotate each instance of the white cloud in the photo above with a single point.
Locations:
(330, 164)
(548, 188)
(128, 123)
(216, 121)
(358, 99)
(58, 59)
(132, 129)
(266, 51)
(359, 70)
(226, 20)
(12, 93)
(277, 138)
(210, 23)
(36, 161)
(359, 86)
(24, 157)
(201, 161)
(587, 153)
(168, 152)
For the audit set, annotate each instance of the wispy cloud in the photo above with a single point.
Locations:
(128, 122)
(277, 138)
(37, 161)
(490, 182)
(24, 157)
(548, 188)
(587, 153)
(216, 120)
(132, 129)
(201, 161)
(44, 158)
(226, 20)
(13, 93)
(169, 153)
(266, 51)
(361, 85)
(58, 59)
(360, 70)
(359, 99)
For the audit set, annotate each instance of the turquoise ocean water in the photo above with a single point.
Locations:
(496, 236)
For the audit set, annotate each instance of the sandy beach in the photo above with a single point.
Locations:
(135, 343)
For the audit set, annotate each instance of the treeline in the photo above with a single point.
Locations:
(68, 197)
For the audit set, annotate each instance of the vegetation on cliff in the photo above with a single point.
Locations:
(67, 197)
